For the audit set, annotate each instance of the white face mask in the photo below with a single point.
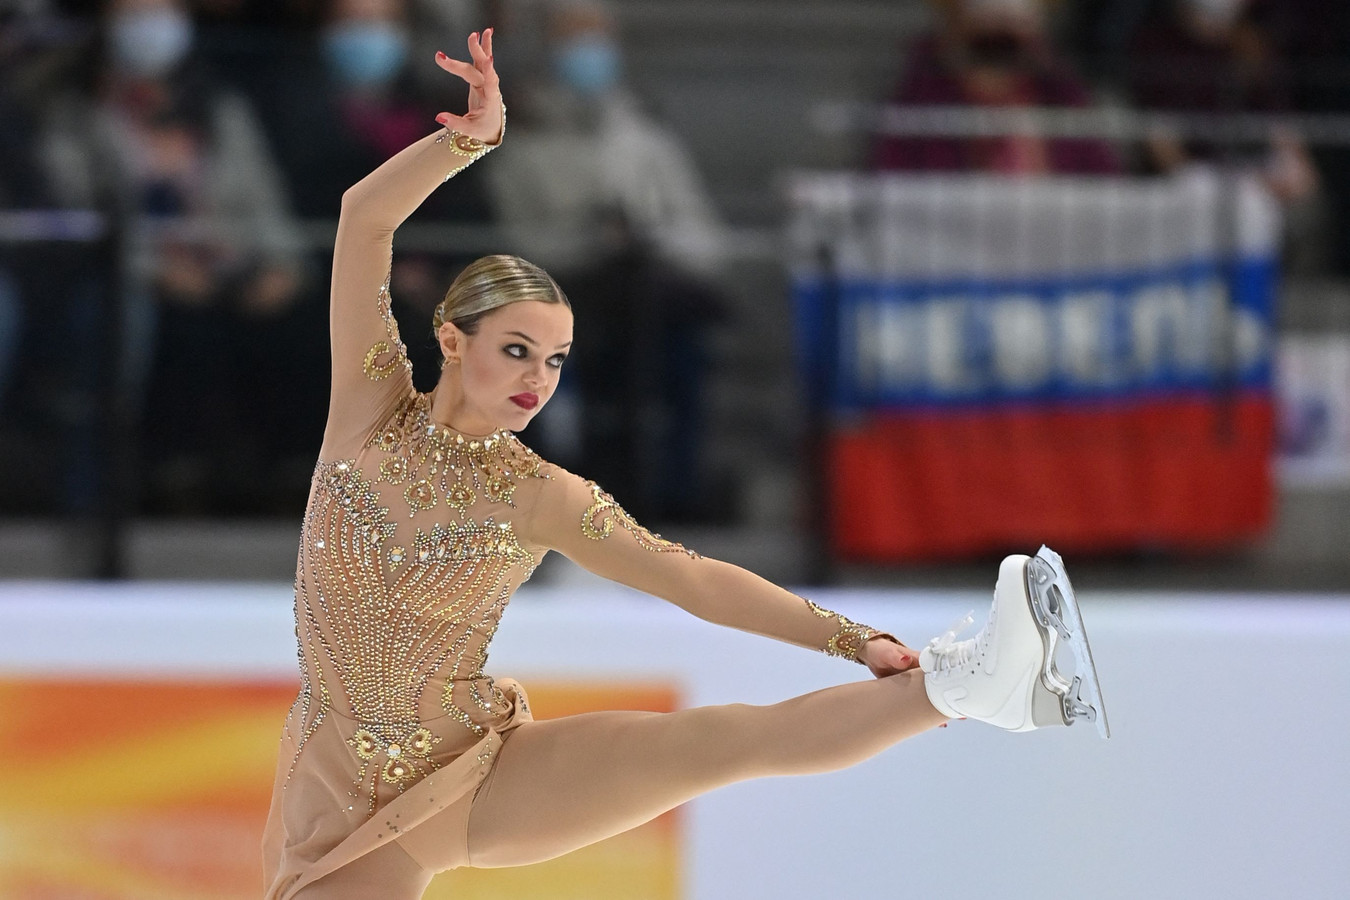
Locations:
(150, 42)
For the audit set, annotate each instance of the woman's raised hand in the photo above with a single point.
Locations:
(484, 118)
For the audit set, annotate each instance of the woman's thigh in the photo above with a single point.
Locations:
(561, 784)
(441, 842)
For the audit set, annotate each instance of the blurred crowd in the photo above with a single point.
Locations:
(1200, 57)
(217, 138)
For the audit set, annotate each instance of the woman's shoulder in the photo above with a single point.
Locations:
(546, 493)
(531, 471)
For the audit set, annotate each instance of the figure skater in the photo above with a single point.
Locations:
(400, 757)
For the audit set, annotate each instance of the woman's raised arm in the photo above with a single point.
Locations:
(371, 372)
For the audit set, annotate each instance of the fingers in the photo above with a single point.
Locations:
(484, 61)
(491, 71)
(452, 121)
(480, 56)
(464, 70)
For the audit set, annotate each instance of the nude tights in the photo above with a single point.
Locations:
(561, 784)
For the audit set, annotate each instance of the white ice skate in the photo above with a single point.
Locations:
(1006, 675)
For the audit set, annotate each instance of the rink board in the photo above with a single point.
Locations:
(143, 721)
(161, 788)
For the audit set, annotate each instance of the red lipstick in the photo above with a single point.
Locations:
(526, 401)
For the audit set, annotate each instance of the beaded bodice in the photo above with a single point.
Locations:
(408, 556)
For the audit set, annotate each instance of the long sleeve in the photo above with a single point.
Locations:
(371, 371)
(585, 524)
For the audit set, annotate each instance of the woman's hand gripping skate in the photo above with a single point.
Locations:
(483, 121)
(885, 656)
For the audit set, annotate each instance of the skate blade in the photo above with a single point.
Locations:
(1056, 607)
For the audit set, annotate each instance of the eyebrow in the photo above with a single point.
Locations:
(533, 341)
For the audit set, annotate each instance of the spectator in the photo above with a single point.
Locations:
(585, 154)
(1215, 56)
(609, 200)
(44, 271)
(992, 53)
(355, 86)
(21, 187)
(215, 268)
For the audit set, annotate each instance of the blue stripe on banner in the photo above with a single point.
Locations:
(888, 343)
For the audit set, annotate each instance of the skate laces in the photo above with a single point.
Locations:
(949, 653)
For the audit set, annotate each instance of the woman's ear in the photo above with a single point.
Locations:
(451, 340)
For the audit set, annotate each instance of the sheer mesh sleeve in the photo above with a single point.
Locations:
(584, 523)
(371, 372)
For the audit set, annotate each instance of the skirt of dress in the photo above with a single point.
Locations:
(314, 828)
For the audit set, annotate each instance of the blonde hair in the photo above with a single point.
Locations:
(490, 283)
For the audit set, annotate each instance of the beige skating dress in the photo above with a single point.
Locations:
(414, 539)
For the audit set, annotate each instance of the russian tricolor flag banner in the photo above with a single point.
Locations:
(1003, 362)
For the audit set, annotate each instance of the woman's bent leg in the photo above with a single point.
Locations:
(561, 784)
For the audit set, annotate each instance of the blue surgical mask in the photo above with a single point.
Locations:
(588, 65)
(149, 42)
(365, 54)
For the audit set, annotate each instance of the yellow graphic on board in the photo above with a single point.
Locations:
(158, 790)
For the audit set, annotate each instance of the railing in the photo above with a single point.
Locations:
(1110, 123)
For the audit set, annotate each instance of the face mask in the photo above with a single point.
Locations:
(149, 42)
(588, 65)
(365, 54)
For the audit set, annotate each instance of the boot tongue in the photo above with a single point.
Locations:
(944, 643)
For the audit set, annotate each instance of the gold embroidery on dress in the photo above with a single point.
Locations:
(406, 760)
(597, 523)
(850, 637)
(377, 621)
(440, 464)
(470, 148)
(386, 356)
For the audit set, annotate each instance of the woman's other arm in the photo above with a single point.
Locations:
(585, 524)
(371, 372)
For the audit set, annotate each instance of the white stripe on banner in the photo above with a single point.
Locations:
(941, 288)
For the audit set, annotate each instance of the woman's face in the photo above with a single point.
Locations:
(509, 368)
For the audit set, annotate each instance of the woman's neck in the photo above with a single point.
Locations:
(448, 410)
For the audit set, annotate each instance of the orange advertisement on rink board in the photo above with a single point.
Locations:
(142, 790)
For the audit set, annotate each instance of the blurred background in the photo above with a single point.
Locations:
(867, 295)
(865, 291)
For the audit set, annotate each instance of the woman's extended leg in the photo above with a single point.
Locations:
(561, 784)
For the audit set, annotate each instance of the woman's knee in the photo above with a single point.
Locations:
(726, 742)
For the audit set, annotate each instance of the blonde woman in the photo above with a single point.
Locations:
(401, 757)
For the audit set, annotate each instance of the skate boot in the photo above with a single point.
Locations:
(1006, 675)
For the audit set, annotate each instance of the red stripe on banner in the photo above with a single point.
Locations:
(1179, 473)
